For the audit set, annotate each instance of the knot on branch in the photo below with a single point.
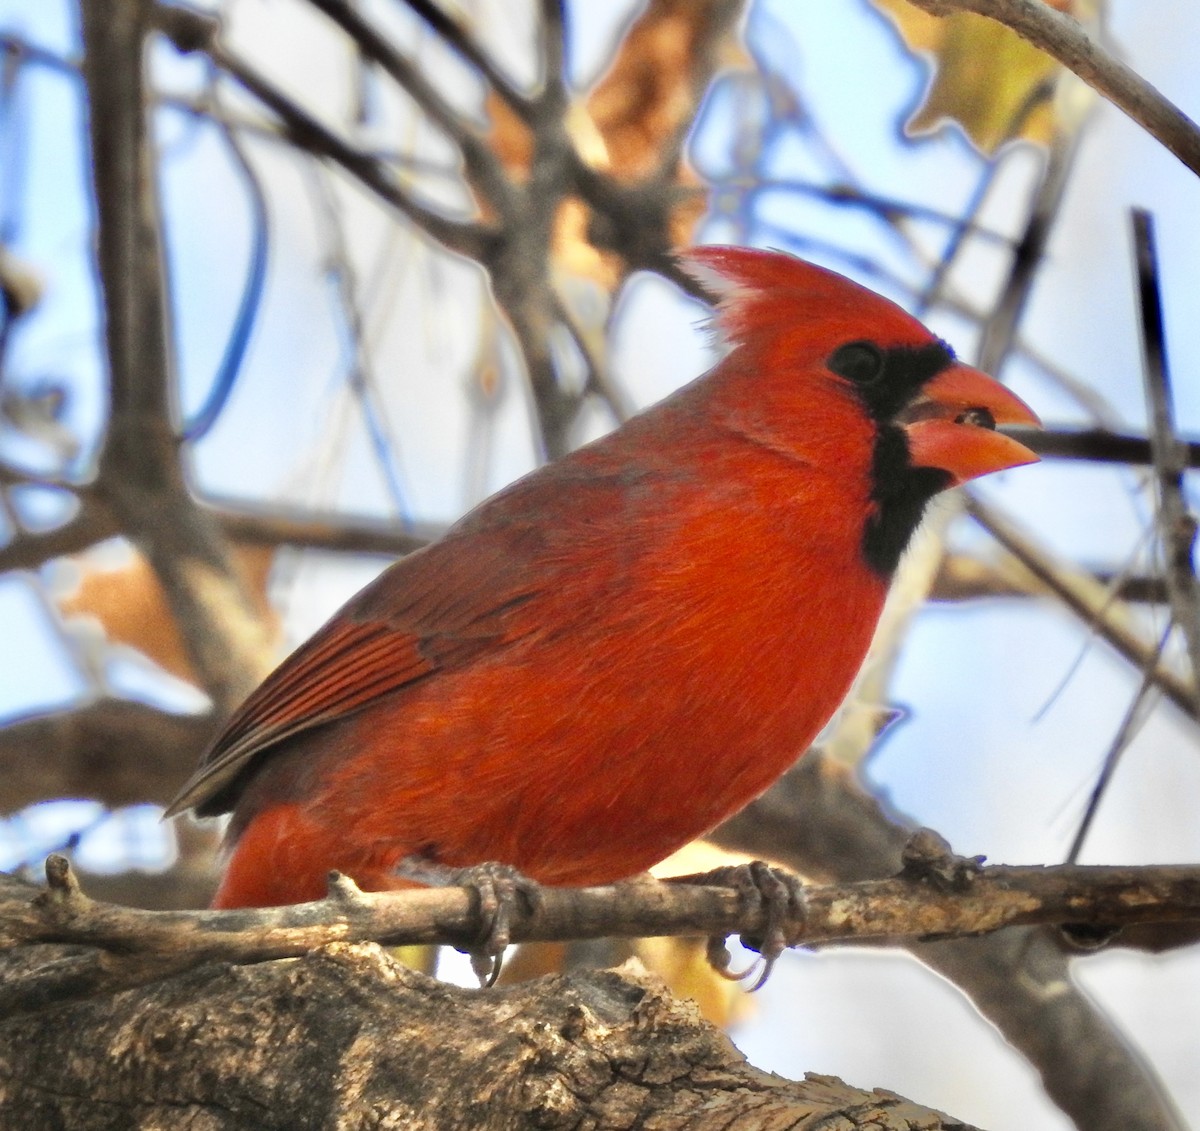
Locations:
(928, 858)
(62, 888)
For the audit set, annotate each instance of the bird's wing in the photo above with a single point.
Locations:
(437, 609)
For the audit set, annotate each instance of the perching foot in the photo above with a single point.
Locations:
(499, 888)
(778, 895)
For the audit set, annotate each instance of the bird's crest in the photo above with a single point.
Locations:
(755, 290)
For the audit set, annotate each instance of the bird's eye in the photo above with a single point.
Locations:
(860, 362)
(980, 417)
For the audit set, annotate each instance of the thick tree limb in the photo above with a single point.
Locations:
(353, 1039)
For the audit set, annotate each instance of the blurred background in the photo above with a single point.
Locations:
(349, 366)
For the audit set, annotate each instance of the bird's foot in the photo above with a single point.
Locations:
(776, 894)
(500, 888)
(928, 858)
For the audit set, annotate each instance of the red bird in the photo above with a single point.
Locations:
(616, 652)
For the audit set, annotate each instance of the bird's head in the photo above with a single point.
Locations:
(808, 331)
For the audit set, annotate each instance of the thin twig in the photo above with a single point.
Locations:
(1000, 327)
(1089, 600)
(358, 364)
(194, 31)
(483, 167)
(456, 37)
(250, 303)
(599, 380)
(1135, 716)
(966, 578)
(1176, 524)
(551, 47)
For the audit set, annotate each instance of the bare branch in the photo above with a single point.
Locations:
(115, 751)
(1018, 979)
(1097, 445)
(193, 31)
(457, 38)
(324, 532)
(140, 474)
(965, 578)
(484, 170)
(551, 31)
(975, 902)
(1000, 327)
(93, 523)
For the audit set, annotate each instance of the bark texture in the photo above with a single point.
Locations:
(348, 1038)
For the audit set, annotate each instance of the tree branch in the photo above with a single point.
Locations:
(1177, 526)
(1089, 601)
(483, 167)
(456, 37)
(140, 475)
(114, 751)
(195, 31)
(818, 820)
(965, 901)
(1097, 445)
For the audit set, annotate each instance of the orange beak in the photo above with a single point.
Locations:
(951, 425)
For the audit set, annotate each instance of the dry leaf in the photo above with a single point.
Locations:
(630, 122)
(994, 84)
(130, 605)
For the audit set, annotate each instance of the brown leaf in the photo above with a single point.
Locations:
(632, 123)
(130, 605)
(988, 80)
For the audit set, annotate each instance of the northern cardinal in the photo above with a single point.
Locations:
(604, 660)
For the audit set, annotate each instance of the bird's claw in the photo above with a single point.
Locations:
(775, 893)
(719, 958)
(499, 889)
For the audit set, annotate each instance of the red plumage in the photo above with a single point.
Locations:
(608, 657)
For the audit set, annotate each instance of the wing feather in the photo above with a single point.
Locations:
(359, 657)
